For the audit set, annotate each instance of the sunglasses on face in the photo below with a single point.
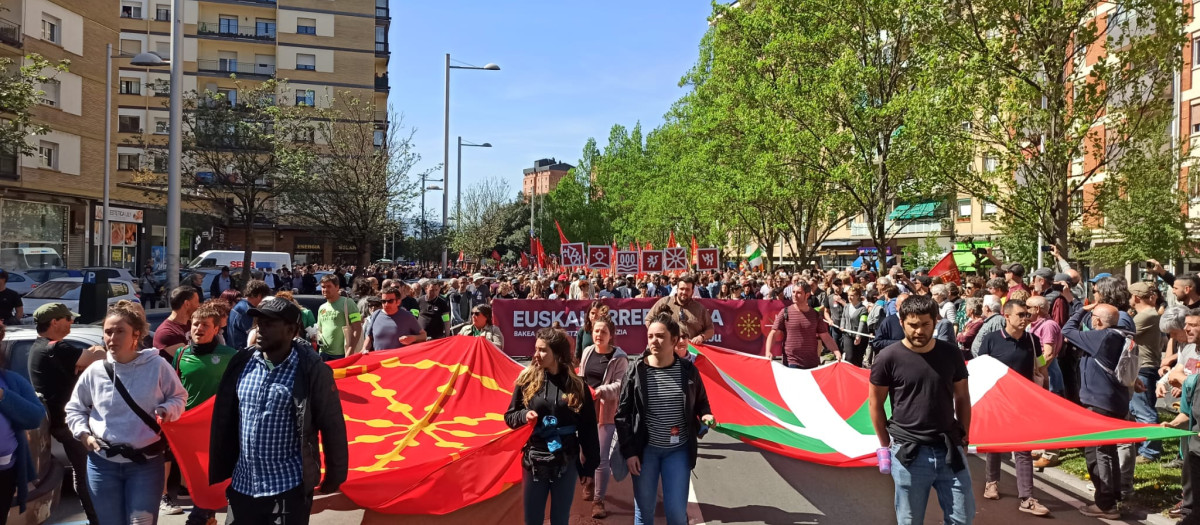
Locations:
(1024, 315)
(477, 313)
(390, 301)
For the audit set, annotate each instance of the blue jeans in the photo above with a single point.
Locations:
(930, 470)
(671, 465)
(1141, 407)
(1055, 379)
(561, 493)
(125, 493)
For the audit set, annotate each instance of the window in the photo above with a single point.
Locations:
(131, 86)
(1195, 118)
(989, 209)
(964, 209)
(48, 155)
(163, 49)
(160, 164)
(162, 13)
(52, 29)
(306, 62)
(128, 161)
(306, 26)
(131, 11)
(227, 61)
(1196, 52)
(228, 25)
(160, 126)
(50, 92)
(379, 138)
(229, 95)
(129, 124)
(131, 47)
(264, 28)
(305, 97)
(306, 135)
(990, 163)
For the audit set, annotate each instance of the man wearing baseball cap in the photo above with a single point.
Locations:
(1148, 337)
(254, 432)
(54, 366)
(11, 307)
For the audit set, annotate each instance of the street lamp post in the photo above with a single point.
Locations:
(458, 182)
(175, 145)
(446, 148)
(141, 59)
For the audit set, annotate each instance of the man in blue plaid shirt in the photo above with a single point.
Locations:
(275, 402)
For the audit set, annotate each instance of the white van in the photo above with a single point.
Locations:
(30, 258)
(233, 259)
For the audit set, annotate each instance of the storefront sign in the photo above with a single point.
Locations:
(119, 214)
(740, 325)
(304, 244)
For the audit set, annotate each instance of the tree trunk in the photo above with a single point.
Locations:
(364, 254)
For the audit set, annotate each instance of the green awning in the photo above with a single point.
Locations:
(921, 210)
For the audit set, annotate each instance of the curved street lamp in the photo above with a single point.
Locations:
(446, 145)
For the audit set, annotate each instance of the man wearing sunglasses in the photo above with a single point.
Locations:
(393, 326)
(1019, 350)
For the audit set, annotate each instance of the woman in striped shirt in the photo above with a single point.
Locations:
(662, 412)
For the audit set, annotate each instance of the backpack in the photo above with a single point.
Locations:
(1126, 371)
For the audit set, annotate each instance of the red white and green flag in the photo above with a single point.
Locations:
(821, 415)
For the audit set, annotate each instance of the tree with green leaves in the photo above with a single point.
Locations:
(241, 156)
(1057, 96)
(359, 180)
(20, 91)
(482, 218)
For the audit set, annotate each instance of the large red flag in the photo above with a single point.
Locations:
(524, 260)
(496, 255)
(947, 269)
(562, 239)
(671, 240)
(425, 426)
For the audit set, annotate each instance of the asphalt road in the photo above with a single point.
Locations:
(735, 483)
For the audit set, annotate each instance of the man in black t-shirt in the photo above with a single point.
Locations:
(11, 307)
(931, 413)
(53, 368)
(434, 311)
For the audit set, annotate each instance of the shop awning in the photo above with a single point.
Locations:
(921, 210)
(840, 243)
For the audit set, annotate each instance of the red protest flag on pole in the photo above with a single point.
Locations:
(947, 269)
(460, 256)
(671, 240)
(524, 260)
(562, 239)
(695, 251)
(496, 255)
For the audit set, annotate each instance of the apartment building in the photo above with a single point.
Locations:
(45, 198)
(320, 48)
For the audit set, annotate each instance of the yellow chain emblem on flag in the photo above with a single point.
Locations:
(413, 425)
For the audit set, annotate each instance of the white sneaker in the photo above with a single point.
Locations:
(166, 506)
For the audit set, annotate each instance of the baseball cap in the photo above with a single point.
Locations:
(1062, 278)
(1044, 273)
(276, 308)
(1141, 288)
(1099, 276)
(52, 311)
(477, 276)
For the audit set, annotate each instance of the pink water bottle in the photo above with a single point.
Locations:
(884, 457)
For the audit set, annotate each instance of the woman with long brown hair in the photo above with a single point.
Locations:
(564, 445)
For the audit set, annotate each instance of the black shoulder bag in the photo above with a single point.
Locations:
(136, 455)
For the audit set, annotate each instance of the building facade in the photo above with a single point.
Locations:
(543, 177)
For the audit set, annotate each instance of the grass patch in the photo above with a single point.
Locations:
(1156, 488)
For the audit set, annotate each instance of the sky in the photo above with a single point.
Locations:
(569, 71)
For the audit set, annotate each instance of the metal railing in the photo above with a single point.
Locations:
(381, 116)
(10, 33)
(381, 48)
(382, 12)
(381, 82)
(233, 66)
(235, 31)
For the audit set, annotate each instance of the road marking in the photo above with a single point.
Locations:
(693, 507)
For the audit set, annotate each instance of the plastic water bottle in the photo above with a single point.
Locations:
(884, 456)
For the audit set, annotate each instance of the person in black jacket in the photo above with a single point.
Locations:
(277, 465)
(659, 420)
(565, 444)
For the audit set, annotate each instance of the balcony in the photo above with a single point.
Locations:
(10, 33)
(223, 29)
(381, 116)
(381, 82)
(382, 12)
(232, 67)
(921, 227)
(381, 49)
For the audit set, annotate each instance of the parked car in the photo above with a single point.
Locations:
(40, 276)
(66, 290)
(21, 282)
